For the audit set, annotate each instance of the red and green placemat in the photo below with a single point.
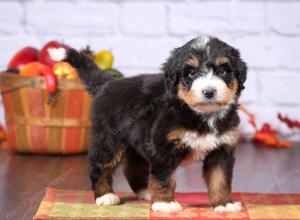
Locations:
(67, 204)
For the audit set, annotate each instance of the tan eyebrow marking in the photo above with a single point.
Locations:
(194, 62)
(221, 60)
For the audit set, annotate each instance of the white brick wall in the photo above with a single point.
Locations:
(141, 34)
(140, 19)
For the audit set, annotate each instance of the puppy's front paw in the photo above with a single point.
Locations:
(229, 207)
(108, 199)
(166, 206)
(143, 194)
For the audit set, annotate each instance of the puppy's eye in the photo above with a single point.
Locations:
(221, 71)
(192, 73)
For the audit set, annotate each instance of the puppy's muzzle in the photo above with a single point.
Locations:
(209, 93)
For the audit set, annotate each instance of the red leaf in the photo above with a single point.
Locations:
(290, 123)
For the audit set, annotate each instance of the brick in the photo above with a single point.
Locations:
(11, 17)
(283, 17)
(283, 52)
(269, 52)
(72, 18)
(11, 44)
(254, 50)
(247, 17)
(198, 18)
(143, 18)
(137, 52)
(249, 94)
(279, 87)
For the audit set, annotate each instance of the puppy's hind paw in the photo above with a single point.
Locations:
(108, 199)
(229, 207)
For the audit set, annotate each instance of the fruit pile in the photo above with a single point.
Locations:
(267, 135)
(31, 62)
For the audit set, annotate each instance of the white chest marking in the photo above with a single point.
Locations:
(202, 144)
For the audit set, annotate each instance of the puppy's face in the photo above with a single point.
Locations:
(207, 73)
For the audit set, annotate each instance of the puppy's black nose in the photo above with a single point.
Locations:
(209, 93)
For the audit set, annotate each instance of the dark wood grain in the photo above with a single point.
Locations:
(23, 178)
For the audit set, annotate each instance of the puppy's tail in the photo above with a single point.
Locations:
(88, 71)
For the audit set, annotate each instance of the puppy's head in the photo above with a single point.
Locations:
(206, 73)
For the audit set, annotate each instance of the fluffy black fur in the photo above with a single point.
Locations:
(89, 73)
(138, 113)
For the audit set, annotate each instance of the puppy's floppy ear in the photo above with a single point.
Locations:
(240, 69)
(242, 73)
(173, 67)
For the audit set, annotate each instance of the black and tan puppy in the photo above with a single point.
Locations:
(155, 123)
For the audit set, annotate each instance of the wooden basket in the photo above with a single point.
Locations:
(34, 126)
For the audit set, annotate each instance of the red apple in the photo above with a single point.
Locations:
(38, 69)
(44, 56)
(24, 56)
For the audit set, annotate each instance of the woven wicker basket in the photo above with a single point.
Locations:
(35, 126)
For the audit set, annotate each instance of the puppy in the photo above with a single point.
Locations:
(157, 122)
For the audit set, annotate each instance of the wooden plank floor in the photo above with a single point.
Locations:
(23, 178)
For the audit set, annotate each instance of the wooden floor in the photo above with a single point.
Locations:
(23, 178)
